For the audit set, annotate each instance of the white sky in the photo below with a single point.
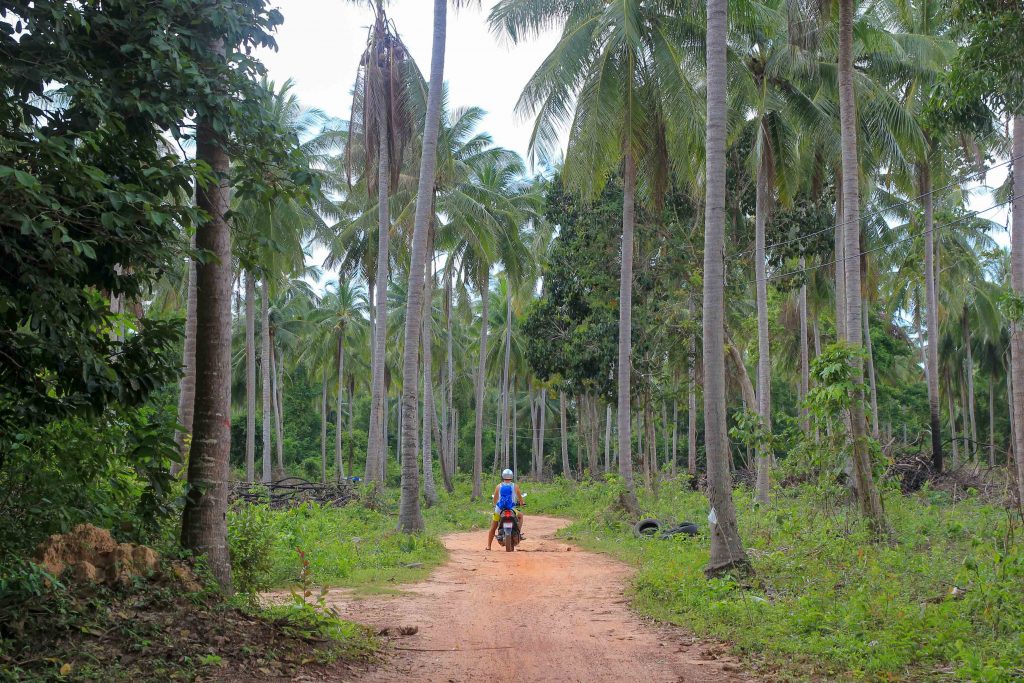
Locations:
(321, 40)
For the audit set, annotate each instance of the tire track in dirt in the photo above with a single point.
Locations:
(561, 608)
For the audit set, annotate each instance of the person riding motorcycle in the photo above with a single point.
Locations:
(506, 496)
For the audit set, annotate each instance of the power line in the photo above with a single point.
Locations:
(947, 224)
(879, 212)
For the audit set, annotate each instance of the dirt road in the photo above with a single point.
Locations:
(561, 607)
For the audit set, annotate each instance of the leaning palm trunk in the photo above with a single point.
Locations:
(250, 377)
(932, 314)
(409, 516)
(265, 400)
(339, 471)
(478, 405)
(867, 494)
(187, 395)
(625, 358)
(204, 518)
(764, 368)
(376, 446)
(726, 547)
(1017, 282)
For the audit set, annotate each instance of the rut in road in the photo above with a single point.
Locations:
(561, 608)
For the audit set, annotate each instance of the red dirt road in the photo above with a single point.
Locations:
(563, 609)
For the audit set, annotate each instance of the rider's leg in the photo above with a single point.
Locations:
(490, 534)
(520, 515)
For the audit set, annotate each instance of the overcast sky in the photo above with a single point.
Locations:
(321, 41)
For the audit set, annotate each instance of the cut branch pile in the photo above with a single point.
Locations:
(294, 491)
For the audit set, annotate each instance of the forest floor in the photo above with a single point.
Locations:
(549, 611)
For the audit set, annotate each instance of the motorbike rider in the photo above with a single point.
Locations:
(506, 496)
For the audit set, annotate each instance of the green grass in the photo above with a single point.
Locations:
(824, 602)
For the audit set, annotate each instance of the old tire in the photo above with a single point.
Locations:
(646, 528)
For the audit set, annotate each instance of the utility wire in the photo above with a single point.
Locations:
(878, 212)
(947, 224)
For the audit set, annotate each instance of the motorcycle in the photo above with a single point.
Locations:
(508, 529)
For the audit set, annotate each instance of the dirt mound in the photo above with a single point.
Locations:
(91, 555)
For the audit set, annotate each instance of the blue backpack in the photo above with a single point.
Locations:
(506, 496)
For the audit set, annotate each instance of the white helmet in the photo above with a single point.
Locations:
(506, 474)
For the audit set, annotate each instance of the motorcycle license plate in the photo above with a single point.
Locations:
(507, 525)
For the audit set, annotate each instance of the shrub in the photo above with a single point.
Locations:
(251, 542)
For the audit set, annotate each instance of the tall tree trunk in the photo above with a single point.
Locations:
(1017, 282)
(592, 445)
(351, 426)
(991, 422)
(871, 373)
(187, 386)
(444, 380)
(726, 547)
(805, 366)
(376, 445)
(608, 438)
(970, 384)
(250, 377)
(204, 519)
(868, 497)
(952, 420)
(275, 399)
(323, 433)
(691, 417)
(566, 471)
(764, 367)
(427, 337)
(963, 408)
(339, 471)
(932, 314)
(505, 373)
(515, 450)
(675, 435)
(478, 405)
(624, 365)
(540, 439)
(266, 401)
(666, 441)
(840, 261)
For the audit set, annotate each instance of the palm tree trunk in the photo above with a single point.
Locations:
(991, 422)
(726, 547)
(250, 377)
(868, 496)
(963, 407)
(952, 420)
(339, 471)
(840, 261)
(265, 394)
(566, 471)
(624, 365)
(323, 433)
(204, 519)
(1017, 282)
(540, 438)
(515, 450)
(932, 314)
(691, 417)
(376, 448)
(443, 381)
(187, 387)
(505, 372)
(675, 435)
(666, 442)
(478, 405)
(764, 368)
(970, 384)
(871, 374)
(607, 438)
(277, 376)
(805, 366)
(427, 337)
(351, 426)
